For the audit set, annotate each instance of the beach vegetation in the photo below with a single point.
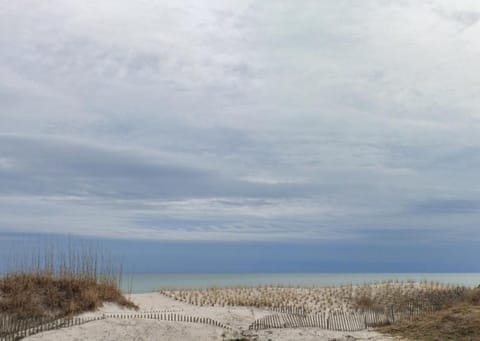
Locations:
(58, 280)
(458, 320)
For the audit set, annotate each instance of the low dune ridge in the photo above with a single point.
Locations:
(346, 298)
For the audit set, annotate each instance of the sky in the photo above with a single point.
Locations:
(323, 132)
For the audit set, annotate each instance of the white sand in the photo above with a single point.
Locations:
(239, 318)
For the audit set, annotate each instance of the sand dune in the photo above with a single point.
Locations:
(138, 329)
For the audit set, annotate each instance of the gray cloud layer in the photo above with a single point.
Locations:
(240, 119)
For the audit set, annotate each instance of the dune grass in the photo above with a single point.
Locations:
(34, 295)
(458, 320)
(373, 296)
(60, 280)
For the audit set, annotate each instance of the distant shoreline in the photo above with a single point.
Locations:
(148, 282)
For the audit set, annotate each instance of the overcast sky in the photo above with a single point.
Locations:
(342, 121)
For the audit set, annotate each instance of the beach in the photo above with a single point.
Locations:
(236, 317)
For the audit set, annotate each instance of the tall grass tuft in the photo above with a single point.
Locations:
(59, 279)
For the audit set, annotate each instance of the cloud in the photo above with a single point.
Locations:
(447, 206)
(250, 120)
(53, 166)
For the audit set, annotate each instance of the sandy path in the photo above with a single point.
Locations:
(239, 318)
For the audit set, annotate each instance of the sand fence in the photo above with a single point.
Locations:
(348, 321)
(12, 330)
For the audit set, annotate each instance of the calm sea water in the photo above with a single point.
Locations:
(146, 282)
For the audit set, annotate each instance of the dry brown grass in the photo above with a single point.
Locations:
(57, 281)
(458, 320)
(34, 295)
(432, 296)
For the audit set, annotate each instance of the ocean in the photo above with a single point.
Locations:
(147, 282)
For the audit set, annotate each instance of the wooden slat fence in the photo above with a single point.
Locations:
(341, 320)
(290, 310)
(348, 321)
(11, 330)
(17, 329)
